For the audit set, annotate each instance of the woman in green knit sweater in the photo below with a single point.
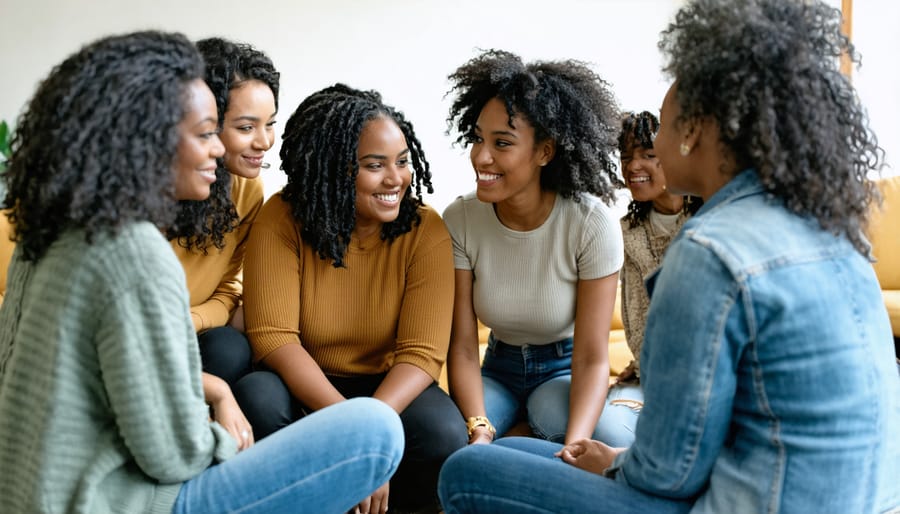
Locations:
(102, 406)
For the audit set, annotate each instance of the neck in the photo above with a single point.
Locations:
(525, 214)
(667, 203)
(363, 232)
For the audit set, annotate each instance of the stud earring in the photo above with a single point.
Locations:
(684, 149)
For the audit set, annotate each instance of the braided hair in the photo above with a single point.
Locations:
(95, 148)
(563, 100)
(782, 107)
(319, 156)
(201, 224)
(639, 130)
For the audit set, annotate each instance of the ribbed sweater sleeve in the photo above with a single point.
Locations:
(392, 302)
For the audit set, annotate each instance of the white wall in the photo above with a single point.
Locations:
(406, 48)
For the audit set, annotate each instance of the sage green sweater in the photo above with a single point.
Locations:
(101, 402)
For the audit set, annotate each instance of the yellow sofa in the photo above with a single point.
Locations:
(884, 234)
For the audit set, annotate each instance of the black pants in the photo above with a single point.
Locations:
(225, 353)
(432, 424)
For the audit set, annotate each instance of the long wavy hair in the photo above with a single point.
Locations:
(201, 224)
(639, 130)
(563, 100)
(95, 148)
(319, 156)
(767, 72)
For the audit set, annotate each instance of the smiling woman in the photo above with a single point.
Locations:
(349, 286)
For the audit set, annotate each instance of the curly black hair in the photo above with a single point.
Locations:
(200, 224)
(563, 100)
(639, 130)
(767, 72)
(319, 156)
(95, 148)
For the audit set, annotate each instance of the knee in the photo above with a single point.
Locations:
(226, 353)
(265, 401)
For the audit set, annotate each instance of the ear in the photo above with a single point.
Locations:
(546, 149)
(691, 131)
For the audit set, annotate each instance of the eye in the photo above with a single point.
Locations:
(403, 163)
(270, 124)
(209, 135)
(374, 166)
(502, 143)
(474, 139)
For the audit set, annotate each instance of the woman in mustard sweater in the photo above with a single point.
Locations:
(209, 237)
(349, 285)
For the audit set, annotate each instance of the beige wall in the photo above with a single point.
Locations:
(406, 48)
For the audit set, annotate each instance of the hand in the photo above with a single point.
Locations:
(237, 319)
(627, 374)
(481, 435)
(589, 455)
(227, 412)
(377, 503)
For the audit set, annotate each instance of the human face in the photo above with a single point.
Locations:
(248, 129)
(668, 147)
(506, 160)
(384, 175)
(198, 146)
(643, 174)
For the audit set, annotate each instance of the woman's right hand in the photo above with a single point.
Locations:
(481, 435)
(228, 414)
(377, 503)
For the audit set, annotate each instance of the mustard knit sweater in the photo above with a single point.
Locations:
(214, 280)
(392, 303)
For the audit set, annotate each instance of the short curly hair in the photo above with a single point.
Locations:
(95, 148)
(563, 100)
(200, 224)
(639, 130)
(767, 72)
(319, 156)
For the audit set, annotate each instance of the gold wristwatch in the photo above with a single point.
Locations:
(479, 421)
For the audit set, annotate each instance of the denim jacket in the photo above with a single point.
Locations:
(768, 368)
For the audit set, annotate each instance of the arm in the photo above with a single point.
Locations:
(423, 327)
(217, 309)
(271, 308)
(463, 360)
(225, 410)
(590, 354)
(688, 376)
(151, 371)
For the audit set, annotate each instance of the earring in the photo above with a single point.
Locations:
(684, 149)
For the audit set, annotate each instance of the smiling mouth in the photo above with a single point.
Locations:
(638, 180)
(255, 161)
(387, 197)
(488, 177)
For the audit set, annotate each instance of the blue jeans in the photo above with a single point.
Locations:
(325, 463)
(500, 479)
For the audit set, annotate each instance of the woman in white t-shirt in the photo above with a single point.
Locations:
(536, 252)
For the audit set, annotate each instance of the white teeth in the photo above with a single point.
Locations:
(487, 176)
(638, 180)
(393, 197)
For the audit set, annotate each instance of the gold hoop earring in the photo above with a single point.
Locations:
(684, 149)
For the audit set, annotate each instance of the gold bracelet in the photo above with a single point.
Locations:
(479, 421)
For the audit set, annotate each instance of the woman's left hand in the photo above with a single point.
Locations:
(589, 455)
(227, 412)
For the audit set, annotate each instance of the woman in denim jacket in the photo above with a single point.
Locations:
(768, 374)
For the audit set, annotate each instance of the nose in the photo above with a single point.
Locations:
(263, 140)
(392, 176)
(479, 155)
(217, 149)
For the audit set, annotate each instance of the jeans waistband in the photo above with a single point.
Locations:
(556, 348)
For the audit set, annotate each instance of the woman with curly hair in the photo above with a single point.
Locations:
(209, 237)
(768, 376)
(101, 403)
(654, 216)
(537, 255)
(349, 285)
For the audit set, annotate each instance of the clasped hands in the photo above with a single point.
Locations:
(589, 455)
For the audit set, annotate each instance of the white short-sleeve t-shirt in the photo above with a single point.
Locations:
(525, 283)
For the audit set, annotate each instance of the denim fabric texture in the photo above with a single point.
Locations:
(768, 376)
(323, 464)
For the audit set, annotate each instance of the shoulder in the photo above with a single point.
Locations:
(463, 206)
(247, 195)
(275, 211)
(431, 226)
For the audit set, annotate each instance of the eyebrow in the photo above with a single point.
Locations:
(252, 118)
(499, 132)
(382, 157)
(209, 119)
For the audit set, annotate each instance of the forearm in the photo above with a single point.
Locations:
(403, 383)
(303, 376)
(464, 377)
(212, 313)
(586, 399)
